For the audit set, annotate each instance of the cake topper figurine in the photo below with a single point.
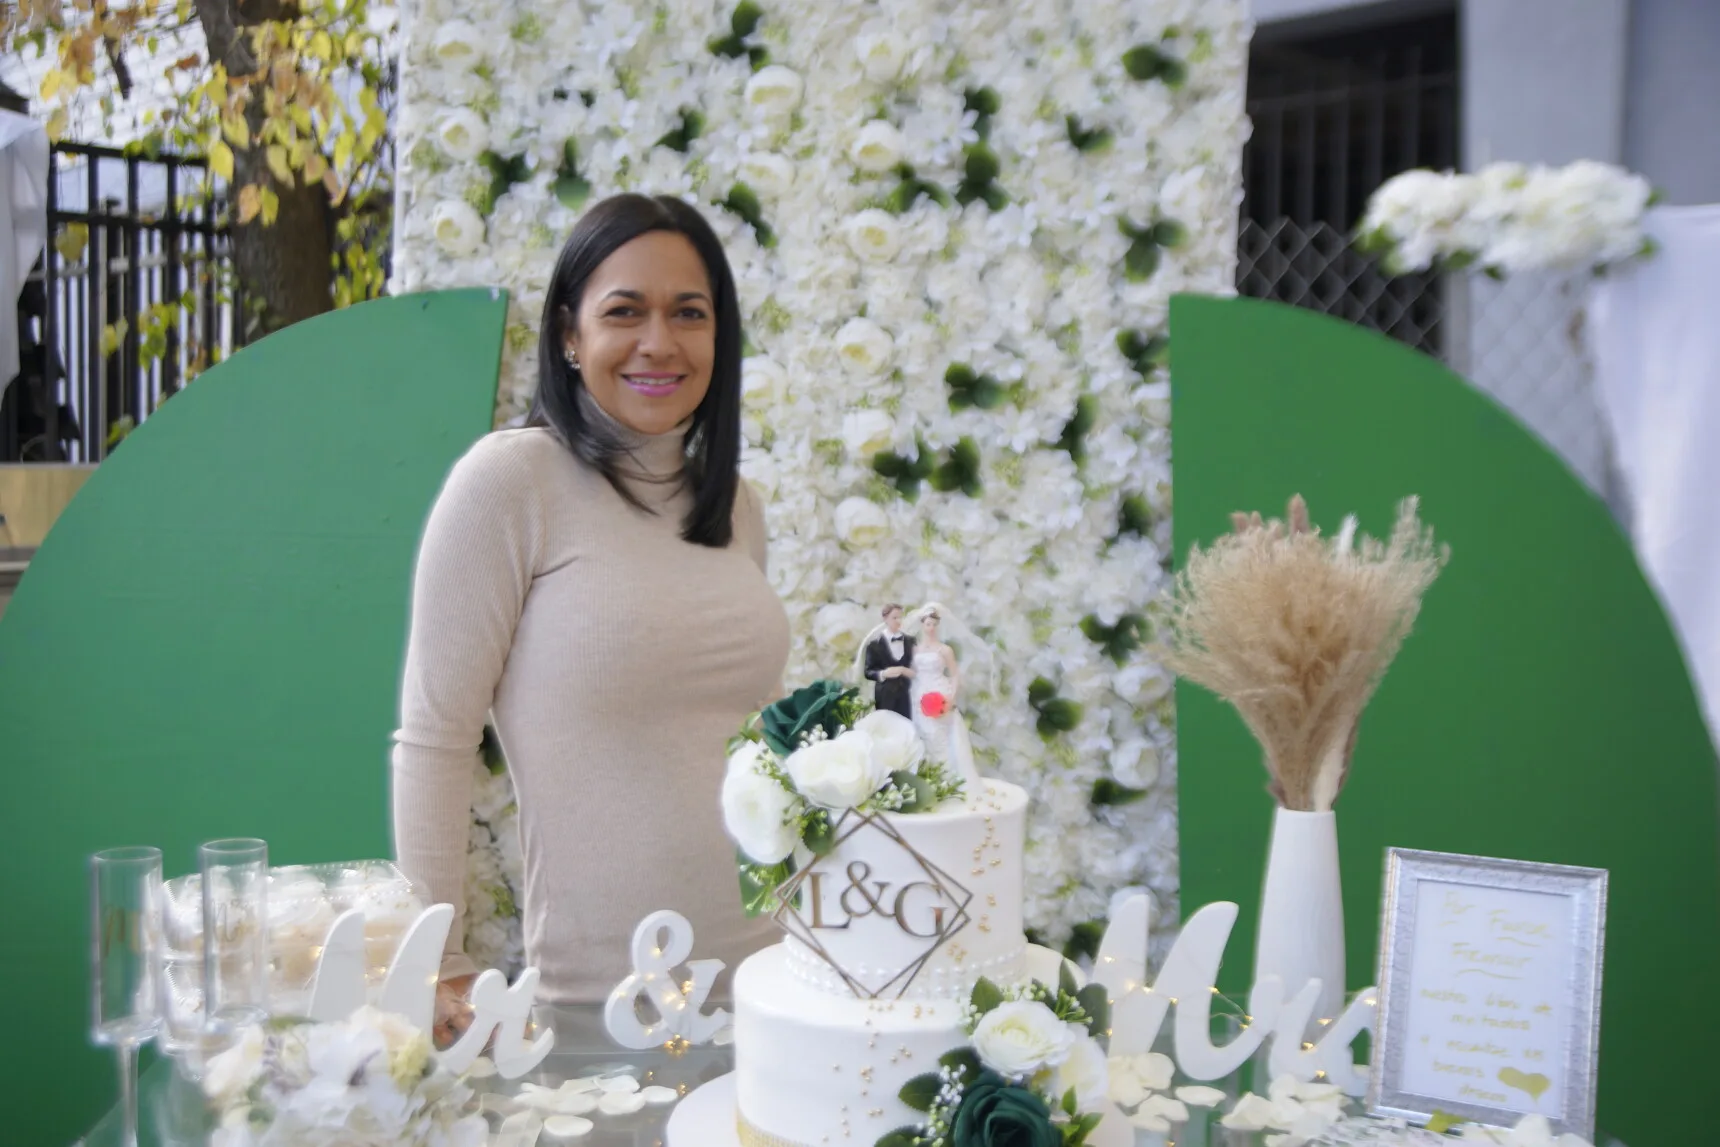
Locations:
(917, 675)
(889, 663)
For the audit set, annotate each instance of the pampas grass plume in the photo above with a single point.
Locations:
(1295, 631)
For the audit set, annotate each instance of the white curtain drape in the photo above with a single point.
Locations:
(23, 222)
(1655, 330)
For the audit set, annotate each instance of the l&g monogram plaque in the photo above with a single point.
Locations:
(817, 903)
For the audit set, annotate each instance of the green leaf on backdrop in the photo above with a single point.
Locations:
(1074, 436)
(1109, 792)
(986, 997)
(1084, 940)
(921, 1092)
(570, 188)
(1086, 139)
(759, 884)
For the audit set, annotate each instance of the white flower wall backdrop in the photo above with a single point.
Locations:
(955, 230)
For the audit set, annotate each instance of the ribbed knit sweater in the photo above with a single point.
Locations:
(616, 659)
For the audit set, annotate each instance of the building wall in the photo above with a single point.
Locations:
(1671, 133)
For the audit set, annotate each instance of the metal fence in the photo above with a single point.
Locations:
(1521, 341)
(127, 237)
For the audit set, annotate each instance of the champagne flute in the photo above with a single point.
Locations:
(125, 961)
(235, 875)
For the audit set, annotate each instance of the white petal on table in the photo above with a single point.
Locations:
(519, 1130)
(619, 1103)
(1164, 1107)
(1200, 1096)
(482, 1068)
(724, 1036)
(568, 1126)
(578, 1103)
(618, 1084)
(583, 1083)
(657, 1096)
(1148, 1122)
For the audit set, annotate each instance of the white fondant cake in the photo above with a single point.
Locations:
(817, 1061)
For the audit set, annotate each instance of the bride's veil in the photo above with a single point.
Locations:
(953, 631)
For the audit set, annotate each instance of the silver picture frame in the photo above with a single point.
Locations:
(1406, 870)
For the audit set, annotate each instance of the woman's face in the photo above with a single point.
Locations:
(646, 332)
(929, 625)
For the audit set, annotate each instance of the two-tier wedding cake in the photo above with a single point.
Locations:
(899, 885)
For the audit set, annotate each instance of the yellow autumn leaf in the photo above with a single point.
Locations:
(51, 83)
(221, 160)
(315, 167)
(249, 203)
(271, 206)
(57, 120)
(236, 129)
(331, 183)
(343, 150)
(111, 334)
(278, 164)
(321, 46)
(71, 241)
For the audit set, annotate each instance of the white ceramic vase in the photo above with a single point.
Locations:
(1301, 932)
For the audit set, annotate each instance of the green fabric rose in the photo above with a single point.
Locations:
(995, 1114)
(790, 719)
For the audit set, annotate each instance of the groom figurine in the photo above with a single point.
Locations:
(889, 658)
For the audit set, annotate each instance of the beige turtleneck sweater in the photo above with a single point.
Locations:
(617, 660)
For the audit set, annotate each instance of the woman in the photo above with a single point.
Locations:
(595, 584)
(932, 700)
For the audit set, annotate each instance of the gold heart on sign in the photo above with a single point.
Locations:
(1534, 1085)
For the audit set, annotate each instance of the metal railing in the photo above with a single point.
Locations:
(134, 264)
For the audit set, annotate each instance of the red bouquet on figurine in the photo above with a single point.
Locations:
(934, 705)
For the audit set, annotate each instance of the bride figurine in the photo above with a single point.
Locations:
(932, 696)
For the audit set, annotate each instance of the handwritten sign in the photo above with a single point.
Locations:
(1490, 990)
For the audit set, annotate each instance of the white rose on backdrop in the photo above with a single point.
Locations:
(760, 469)
(1136, 763)
(836, 774)
(864, 347)
(775, 90)
(757, 810)
(1086, 1071)
(457, 226)
(1143, 683)
(881, 52)
(768, 173)
(841, 626)
(1018, 1038)
(457, 44)
(896, 746)
(877, 148)
(874, 234)
(861, 522)
(865, 432)
(763, 379)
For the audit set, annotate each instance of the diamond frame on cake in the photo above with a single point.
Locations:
(787, 917)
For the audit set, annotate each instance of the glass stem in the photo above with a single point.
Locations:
(128, 1090)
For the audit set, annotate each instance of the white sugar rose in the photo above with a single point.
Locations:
(458, 44)
(896, 746)
(458, 227)
(874, 234)
(1086, 1072)
(1018, 1038)
(768, 173)
(836, 774)
(841, 625)
(865, 432)
(864, 347)
(463, 134)
(775, 90)
(877, 148)
(763, 379)
(757, 811)
(861, 522)
(881, 52)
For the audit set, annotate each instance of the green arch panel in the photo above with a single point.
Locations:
(1541, 710)
(209, 642)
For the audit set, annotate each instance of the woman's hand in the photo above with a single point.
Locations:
(453, 1010)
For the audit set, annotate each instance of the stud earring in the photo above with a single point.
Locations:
(572, 357)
